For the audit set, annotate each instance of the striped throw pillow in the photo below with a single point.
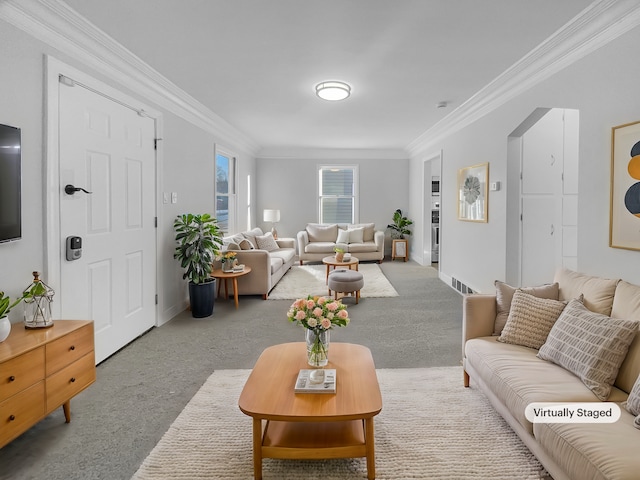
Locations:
(590, 345)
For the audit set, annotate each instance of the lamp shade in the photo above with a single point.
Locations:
(271, 216)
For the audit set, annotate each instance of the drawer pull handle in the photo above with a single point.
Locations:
(12, 417)
(12, 378)
(72, 347)
(73, 379)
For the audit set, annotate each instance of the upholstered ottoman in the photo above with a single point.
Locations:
(345, 281)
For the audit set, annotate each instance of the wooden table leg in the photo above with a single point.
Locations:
(371, 457)
(235, 290)
(257, 448)
(326, 279)
(226, 289)
(66, 408)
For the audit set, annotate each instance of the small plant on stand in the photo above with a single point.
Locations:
(399, 226)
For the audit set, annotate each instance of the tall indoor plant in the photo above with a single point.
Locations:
(199, 239)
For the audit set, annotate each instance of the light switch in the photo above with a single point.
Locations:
(494, 186)
(174, 197)
(165, 197)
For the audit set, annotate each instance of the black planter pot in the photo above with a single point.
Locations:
(202, 297)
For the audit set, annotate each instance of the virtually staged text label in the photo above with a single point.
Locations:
(583, 412)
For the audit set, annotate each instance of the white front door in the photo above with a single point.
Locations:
(108, 150)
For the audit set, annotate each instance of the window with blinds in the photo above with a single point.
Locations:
(338, 191)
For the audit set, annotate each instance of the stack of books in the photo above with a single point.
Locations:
(238, 268)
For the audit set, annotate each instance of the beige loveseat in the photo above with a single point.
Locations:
(268, 258)
(513, 376)
(362, 240)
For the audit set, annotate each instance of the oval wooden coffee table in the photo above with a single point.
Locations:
(312, 425)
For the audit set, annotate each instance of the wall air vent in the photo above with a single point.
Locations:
(459, 286)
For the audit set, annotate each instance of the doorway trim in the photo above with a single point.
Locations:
(54, 68)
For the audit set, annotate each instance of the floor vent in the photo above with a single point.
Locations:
(459, 286)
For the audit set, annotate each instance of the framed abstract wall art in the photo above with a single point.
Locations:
(472, 193)
(624, 217)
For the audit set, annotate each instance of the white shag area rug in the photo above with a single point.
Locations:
(430, 427)
(303, 280)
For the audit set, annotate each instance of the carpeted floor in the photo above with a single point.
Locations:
(429, 427)
(304, 280)
(141, 389)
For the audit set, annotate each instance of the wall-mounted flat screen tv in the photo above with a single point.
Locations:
(10, 184)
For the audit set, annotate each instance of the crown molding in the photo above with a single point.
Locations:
(597, 25)
(56, 24)
(303, 153)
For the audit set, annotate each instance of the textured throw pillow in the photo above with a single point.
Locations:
(267, 242)
(246, 245)
(633, 402)
(356, 235)
(343, 236)
(251, 236)
(530, 320)
(504, 294)
(590, 345)
(233, 246)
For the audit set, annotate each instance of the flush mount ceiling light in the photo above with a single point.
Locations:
(333, 90)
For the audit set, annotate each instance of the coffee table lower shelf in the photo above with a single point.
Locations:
(314, 441)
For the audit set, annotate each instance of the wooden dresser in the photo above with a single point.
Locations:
(41, 370)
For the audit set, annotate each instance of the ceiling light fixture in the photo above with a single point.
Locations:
(333, 90)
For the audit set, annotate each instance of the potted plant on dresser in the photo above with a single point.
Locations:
(5, 307)
(199, 240)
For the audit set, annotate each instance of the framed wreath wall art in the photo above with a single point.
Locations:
(472, 193)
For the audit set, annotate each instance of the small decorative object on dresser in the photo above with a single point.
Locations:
(37, 304)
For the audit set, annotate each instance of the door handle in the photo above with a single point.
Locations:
(70, 190)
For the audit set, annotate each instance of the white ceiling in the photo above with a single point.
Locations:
(255, 62)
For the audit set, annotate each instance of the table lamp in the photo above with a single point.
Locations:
(272, 216)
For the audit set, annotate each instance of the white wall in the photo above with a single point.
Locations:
(603, 87)
(291, 185)
(187, 154)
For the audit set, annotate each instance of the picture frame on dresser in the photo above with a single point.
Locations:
(624, 202)
(472, 199)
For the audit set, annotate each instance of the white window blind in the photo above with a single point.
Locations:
(338, 192)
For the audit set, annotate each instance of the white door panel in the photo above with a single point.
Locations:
(107, 149)
(538, 240)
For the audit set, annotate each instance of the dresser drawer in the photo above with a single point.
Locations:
(69, 348)
(66, 383)
(20, 412)
(21, 372)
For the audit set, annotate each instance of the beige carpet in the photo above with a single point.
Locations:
(430, 427)
(304, 280)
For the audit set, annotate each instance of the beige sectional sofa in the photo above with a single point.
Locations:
(512, 375)
(362, 240)
(268, 258)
